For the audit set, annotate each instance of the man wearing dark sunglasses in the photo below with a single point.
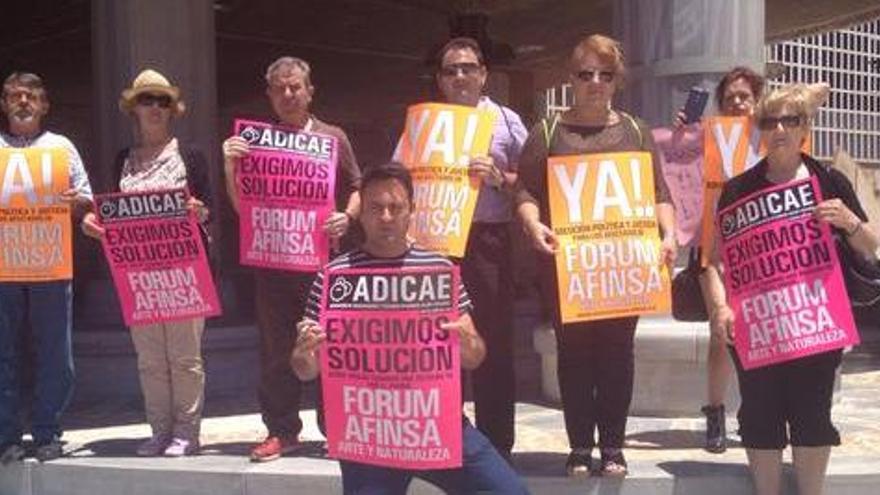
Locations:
(46, 306)
(486, 268)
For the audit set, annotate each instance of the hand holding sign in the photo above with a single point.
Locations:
(73, 198)
(235, 148)
(198, 207)
(91, 227)
(473, 349)
(835, 212)
(483, 167)
(302, 359)
(337, 225)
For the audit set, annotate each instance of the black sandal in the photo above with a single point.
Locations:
(613, 463)
(579, 463)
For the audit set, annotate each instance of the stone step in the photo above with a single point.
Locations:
(664, 455)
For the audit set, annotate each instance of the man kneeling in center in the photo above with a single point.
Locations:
(387, 199)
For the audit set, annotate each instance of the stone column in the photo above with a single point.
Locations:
(675, 44)
(177, 38)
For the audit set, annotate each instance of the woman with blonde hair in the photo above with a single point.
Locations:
(789, 402)
(595, 358)
(169, 353)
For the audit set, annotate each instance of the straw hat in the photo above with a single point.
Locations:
(150, 81)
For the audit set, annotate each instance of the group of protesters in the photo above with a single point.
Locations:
(787, 403)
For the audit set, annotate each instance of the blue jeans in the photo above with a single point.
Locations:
(484, 471)
(47, 306)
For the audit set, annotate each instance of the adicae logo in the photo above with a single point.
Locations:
(341, 289)
(250, 134)
(108, 209)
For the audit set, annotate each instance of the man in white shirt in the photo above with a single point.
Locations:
(46, 306)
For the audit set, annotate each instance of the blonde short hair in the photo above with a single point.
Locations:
(804, 99)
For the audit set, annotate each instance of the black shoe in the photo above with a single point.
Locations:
(716, 429)
(49, 451)
(579, 463)
(10, 453)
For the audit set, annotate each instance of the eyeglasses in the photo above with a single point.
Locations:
(149, 99)
(787, 121)
(588, 75)
(28, 95)
(466, 69)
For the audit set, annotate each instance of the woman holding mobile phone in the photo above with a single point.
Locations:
(736, 96)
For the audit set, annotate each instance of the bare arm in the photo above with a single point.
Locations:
(542, 237)
(860, 235)
(668, 245)
(720, 313)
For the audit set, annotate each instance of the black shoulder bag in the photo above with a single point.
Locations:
(687, 297)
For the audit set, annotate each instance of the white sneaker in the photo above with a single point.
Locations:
(153, 447)
(180, 447)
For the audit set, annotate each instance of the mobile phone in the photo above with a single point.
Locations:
(695, 104)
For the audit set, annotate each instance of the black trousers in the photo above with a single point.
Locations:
(280, 302)
(788, 402)
(487, 276)
(595, 366)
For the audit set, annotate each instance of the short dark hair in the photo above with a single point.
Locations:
(459, 43)
(755, 81)
(391, 170)
(26, 79)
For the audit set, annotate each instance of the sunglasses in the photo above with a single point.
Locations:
(787, 121)
(466, 69)
(148, 99)
(588, 75)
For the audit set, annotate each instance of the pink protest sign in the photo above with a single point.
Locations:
(155, 252)
(390, 374)
(286, 192)
(681, 156)
(782, 277)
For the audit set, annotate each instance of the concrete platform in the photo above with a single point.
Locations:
(104, 426)
(670, 367)
(664, 455)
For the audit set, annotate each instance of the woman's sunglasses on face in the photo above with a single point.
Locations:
(787, 121)
(589, 75)
(148, 99)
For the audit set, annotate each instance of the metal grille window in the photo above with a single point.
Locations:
(848, 60)
(558, 99)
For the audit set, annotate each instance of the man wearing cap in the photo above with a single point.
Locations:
(46, 306)
(280, 295)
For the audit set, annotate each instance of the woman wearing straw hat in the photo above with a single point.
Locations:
(169, 354)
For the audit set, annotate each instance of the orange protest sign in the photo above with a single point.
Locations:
(731, 146)
(437, 144)
(602, 210)
(35, 230)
